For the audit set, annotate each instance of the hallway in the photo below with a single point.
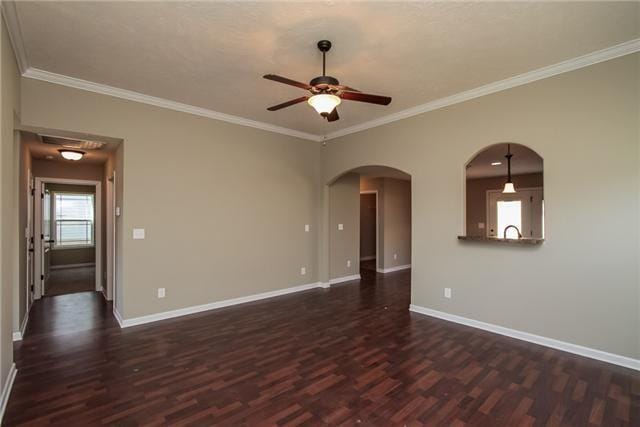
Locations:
(71, 280)
(347, 355)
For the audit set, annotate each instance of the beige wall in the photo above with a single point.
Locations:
(396, 223)
(67, 170)
(9, 200)
(20, 293)
(344, 208)
(582, 284)
(476, 197)
(394, 220)
(224, 206)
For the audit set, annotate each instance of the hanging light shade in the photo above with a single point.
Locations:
(74, 155)
(508, 186)
(324, 103)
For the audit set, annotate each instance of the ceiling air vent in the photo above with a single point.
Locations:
(72, 143)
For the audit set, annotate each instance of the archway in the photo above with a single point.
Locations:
(504, 194)
(368, 223)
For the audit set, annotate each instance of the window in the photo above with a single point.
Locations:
(509, 213)
(73, 219)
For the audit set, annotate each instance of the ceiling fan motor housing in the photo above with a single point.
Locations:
(321, 82)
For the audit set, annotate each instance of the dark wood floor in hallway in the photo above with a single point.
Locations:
(349, 355)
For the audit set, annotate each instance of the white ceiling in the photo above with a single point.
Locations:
(213, 54)
(524, 161)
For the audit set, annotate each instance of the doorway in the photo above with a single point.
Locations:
(368, 230)
(369, 223)
(68, 252)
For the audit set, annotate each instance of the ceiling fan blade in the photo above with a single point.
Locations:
(347, 88)
(365, 97)
(333, 116)
(288, 103)
(286, 81)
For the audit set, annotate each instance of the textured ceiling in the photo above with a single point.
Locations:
(213, 54)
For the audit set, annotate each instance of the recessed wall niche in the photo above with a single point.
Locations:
(505, 195)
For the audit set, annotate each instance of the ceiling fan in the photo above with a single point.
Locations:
(326, 92)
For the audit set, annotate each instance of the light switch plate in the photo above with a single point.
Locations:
(117, 210)
(306, 228)
(348, 263)
(395, 256)
(303, 271)
(340, 226)
(138, 233)
(447, 292)
(161, 293)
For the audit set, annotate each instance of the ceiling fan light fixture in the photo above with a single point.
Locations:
(74, 155)
(324, 103)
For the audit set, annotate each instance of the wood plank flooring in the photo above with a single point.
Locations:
(70, 280)
(349, 355)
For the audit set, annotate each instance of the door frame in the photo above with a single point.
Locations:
(110, 294)
(378, 267)
(38, 283)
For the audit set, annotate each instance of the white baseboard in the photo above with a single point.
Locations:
(118, 316)
(324, 285)
(17, 336)
(125, 323)
(591, 353)
(60, 267)
(367, 258)
(344, 279)
(6, 389)
(392, 269)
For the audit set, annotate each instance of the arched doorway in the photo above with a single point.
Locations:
(368, 223)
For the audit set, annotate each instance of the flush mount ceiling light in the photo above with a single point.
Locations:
(74, 155)
(496, 163)
(508, 186)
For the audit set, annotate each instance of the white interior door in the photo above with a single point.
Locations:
(523, 209)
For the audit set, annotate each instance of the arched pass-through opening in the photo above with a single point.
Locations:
(368, 224)
(504, 195)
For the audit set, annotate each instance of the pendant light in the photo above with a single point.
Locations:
(508, 186)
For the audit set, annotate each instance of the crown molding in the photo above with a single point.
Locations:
(592, 58)
(11, 18)
(37, 74)
(10, 15)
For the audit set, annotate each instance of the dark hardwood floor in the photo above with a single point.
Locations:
(349, 355)
(70, 280)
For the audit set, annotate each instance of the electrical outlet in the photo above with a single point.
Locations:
(348, 263)
(307, 228)
(395, 256)
(161, 293)
(303, 271)
(447, 292)
(340, 227)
